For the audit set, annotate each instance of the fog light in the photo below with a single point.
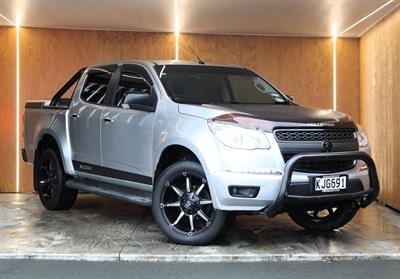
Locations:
(244, 191)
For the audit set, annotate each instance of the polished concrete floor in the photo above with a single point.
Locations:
(99, 228)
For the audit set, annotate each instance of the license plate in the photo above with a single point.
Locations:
(327, 184)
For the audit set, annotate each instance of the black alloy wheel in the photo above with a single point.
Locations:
(182, 205)
(51, 182)
(48, 178)
(186, 204)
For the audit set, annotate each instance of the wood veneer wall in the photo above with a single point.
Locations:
(7, 108)
(348, 77)
(301, 67)
(380, 101)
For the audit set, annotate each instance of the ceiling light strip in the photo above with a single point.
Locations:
(365, 17)
(387, 12)
(8, 20)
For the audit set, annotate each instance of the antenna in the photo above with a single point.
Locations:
(198, 58)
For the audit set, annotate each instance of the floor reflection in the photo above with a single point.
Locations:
(105, 227)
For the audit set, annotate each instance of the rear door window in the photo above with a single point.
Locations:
(96, 86)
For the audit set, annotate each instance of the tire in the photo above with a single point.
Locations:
(51, 178)
(332, 217)
(186, 217)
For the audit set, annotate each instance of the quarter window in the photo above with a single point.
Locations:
(96, 85)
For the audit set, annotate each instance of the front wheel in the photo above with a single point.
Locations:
(323, 218)
(182, 205)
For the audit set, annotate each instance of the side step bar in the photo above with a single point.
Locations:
(111, 190)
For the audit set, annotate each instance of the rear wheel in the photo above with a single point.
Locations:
(51, 179)
(323, 218)
(182, 205)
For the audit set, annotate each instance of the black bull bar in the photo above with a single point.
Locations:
(366, 197)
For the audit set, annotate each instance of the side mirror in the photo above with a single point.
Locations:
(141, 101)
(291, 98)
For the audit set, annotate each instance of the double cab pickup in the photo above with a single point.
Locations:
(199, 143)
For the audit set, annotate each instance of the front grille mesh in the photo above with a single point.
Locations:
(322, 166)
(314, 135)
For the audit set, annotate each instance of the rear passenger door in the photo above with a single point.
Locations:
(127, 128)
(85, 119)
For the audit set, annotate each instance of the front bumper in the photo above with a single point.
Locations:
(364, 197)
(271, 185)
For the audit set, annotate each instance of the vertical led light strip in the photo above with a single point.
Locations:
(334, 72)
(17, 120)
(176, 30)
(17, 114)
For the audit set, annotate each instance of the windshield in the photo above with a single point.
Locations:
(216, 85)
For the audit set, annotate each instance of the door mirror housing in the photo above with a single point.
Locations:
(140, 100)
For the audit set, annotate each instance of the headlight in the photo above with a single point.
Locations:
(236, 137)
(362, 137)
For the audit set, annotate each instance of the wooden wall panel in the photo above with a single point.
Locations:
(49, 57)
(348, 77)
(380, 101)
(7, 108)
(301, 67)
(224, 49)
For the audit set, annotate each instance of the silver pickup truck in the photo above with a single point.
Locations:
(198, 143)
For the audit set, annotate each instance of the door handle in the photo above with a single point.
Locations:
(75, 115)
(108, 120)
